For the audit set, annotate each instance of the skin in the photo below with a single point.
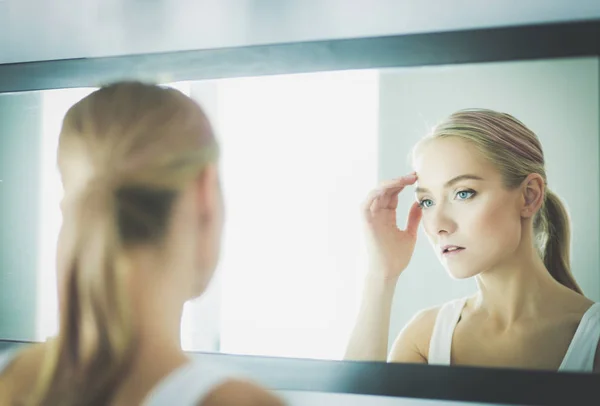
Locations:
(520, 317)
(180, 272)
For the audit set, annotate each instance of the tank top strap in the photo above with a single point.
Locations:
(582, 350)
(190, 384)
(440, 346)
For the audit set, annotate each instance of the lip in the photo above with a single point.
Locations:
(453, 252)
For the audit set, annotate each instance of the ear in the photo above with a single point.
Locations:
(533, 191)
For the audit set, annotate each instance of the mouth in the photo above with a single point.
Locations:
(451, 250)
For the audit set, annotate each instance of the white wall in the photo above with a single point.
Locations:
(557, 99)
(42, 30)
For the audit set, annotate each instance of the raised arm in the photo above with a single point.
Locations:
(390, 251)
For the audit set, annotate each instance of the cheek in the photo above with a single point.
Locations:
(497, 225)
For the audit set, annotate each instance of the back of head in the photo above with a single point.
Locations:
(125, 152)
(517, 152)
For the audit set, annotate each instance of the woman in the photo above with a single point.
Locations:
(142, 220)
(483, 197)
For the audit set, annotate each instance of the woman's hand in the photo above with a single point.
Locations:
(390, 249)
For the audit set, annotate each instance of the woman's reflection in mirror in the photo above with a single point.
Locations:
(484, 202)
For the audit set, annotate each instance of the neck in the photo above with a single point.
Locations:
(157, 300)
(158, 328)
(158, 308)
(517, 289)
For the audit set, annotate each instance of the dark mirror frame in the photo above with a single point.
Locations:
(441, 48)
(466, 384)
(544, 41)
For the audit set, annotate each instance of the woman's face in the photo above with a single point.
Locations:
(466, 208)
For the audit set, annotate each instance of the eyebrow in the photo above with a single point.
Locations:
(451, 182)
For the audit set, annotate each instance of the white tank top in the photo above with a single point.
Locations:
(579, 356)
(188, 385)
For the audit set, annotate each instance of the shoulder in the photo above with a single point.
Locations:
(424, 321)
(242, 393)
(21, 372)
(25, 361)
(412, 343)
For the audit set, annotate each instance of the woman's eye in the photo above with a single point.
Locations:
(425, 203)
(465, 194)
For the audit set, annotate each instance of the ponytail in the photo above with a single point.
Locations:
(94, 347)
(554, 231)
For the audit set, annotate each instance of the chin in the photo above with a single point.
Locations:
(459, 273)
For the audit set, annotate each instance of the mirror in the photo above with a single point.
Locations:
(300, 154)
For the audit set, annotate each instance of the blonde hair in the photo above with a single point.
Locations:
(131, 147)
(517, 152)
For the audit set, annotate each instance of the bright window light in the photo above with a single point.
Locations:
(299, 156)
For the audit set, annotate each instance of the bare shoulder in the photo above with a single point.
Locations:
(21, 374)
(26, 361)
(412, 343)
(242, 393)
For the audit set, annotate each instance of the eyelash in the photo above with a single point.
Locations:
(469, 191)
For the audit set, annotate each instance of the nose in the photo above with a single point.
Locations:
(441, 221)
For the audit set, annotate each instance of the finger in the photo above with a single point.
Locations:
(374, 198)
(402, 182)
(387, 192)
(414, 218)
(393, 202)
(371, 197)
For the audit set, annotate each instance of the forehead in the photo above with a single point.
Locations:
(439, 160)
